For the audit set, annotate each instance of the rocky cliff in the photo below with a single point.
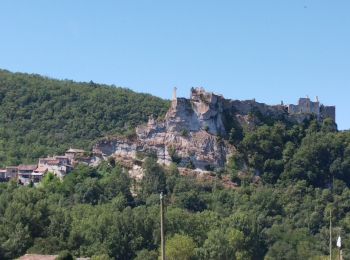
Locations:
(195, 132)
(191, 135)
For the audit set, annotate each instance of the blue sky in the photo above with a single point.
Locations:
(271, 50)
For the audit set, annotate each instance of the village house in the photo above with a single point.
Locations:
(64, 160)
(25, 173)
(58, 165)
(48, 161)
(38, 174)
(74, 154)
(3, 175)
(11, 172)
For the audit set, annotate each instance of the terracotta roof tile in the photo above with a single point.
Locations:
(27, 167)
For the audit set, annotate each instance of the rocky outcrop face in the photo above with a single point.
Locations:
(190, 135)
(193, 149)
(195, 131)
(203, 111)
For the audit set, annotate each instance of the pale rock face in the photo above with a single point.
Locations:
(136, 172)
(203, 111)
(189, 135)
(193, 133)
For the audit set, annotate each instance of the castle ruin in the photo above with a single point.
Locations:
(208, 105)
(305, 107)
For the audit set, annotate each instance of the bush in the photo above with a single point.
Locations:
(173, 155)
(65, 255)
(184, 132)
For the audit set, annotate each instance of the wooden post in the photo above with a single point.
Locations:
(330, 234)
(162, 239)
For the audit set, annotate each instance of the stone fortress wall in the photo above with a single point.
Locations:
(303, 110)
(306, 106)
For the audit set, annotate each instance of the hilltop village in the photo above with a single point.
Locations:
(59, 165)
(194, 135)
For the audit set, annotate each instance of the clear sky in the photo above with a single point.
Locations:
(271, 50)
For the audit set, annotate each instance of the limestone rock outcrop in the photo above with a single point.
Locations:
(191, 135)
(194, 132)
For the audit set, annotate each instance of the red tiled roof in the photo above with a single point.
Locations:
(27, 167)
(49, 160)
(52, 162)
(11, 167)
(41, 169)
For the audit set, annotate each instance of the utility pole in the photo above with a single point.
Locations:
(162, 239)
(330, 220)
(330, 234)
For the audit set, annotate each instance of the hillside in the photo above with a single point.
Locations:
(207, 131)
(285, 215)
(291, 173)
(40, 116)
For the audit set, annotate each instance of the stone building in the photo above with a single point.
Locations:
(58, 165)
(73, 154)
(327, 112)
(25, 173)
(306, 107)
(11, 172)
(2, 174)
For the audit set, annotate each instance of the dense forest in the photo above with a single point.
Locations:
(290, 178)
(41, 116)
(283, 214)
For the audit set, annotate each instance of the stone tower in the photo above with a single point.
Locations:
(174, 93)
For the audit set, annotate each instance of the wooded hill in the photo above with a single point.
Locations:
(290, 178)
(41, 116)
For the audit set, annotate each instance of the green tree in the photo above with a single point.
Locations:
(65, 255)
(101, 257)
(223, 244)
(146, 255)
(154, 180)
(180, 247)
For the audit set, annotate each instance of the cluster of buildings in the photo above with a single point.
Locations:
(60, 166)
